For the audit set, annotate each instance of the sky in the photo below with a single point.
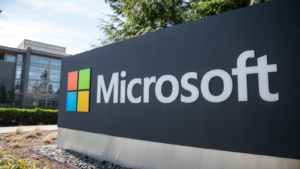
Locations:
(67, 23)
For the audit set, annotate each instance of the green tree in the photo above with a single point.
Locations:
(12, 96)
(137, 17)
(50, 89)
(18, 86)
(38, 89)
(3, 95)
(44, 77)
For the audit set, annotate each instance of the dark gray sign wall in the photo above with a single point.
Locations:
(255, 126)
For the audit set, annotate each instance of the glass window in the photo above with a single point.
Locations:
(11, 58)
(44, 60)
(39, 87)
(34, 59)
(42, 79)
(33, 82)
(17, 86)
(33, 75)
(18, 74)
(52, 104)
(31, 85)
(42, 69)
(19, 68)
(20, 58)
(54, 77)
(52, 98)
(53, 88)
(33, 68)
(55, 62)
(54, 71)
(42, 76)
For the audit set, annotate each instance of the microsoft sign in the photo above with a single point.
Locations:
(205, 93)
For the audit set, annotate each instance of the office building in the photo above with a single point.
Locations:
(33, 70)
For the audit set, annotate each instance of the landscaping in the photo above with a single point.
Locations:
(14, 151)
(15, 117)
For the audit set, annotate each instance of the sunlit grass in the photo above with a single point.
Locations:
(9, 161)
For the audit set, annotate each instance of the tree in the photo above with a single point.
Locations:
(18, 86)
(38, 89)
(12, 96)
(137, 17)
(50, 89)
(3, 95)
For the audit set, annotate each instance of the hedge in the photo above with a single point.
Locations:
(14, 116)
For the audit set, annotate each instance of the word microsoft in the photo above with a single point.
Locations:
(262, 69)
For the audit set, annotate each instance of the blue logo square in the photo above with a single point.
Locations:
(71, 101)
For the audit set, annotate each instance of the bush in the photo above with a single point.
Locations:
(6, 105)
(14, 116)
(9, 161)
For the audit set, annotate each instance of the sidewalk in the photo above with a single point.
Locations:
(27, 128)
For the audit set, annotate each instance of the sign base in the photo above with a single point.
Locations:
(145, 154)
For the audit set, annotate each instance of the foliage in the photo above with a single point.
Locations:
(3, 96)
(13, 116)
(137, 17)
(9, 161)
(39, 88)
(28, 106)
(12, 96)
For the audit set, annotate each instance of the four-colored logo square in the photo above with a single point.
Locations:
(78, 96)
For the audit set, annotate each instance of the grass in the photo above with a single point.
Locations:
(10, 134)
(19, 130)
(51, 136)
(30, 134)
(17, 144)
(38, 131)
(17, 139)
(47, 140)
(34, 133)
(9, 161)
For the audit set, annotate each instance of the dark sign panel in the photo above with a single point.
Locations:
(228, 82)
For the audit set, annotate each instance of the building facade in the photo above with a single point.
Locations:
(33, 70)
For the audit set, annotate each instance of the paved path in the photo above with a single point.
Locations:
(27, 128)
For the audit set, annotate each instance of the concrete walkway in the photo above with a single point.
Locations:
(27, 128)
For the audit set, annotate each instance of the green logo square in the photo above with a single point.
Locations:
(84, 79)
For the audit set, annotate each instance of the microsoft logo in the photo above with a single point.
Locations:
(78, 96)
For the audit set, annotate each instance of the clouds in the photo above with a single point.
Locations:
(90, 8)
(15, 31)
(69, 23)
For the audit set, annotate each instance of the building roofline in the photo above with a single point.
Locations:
(47, 54)
(44, 43)
(10, 49)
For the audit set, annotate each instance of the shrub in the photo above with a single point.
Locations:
(19, 130)
(53, 136)
(14, 116)
(10, 161)
(17, 139)
(47, 140)
(38, 131)
(30, 134)
(18, 105)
